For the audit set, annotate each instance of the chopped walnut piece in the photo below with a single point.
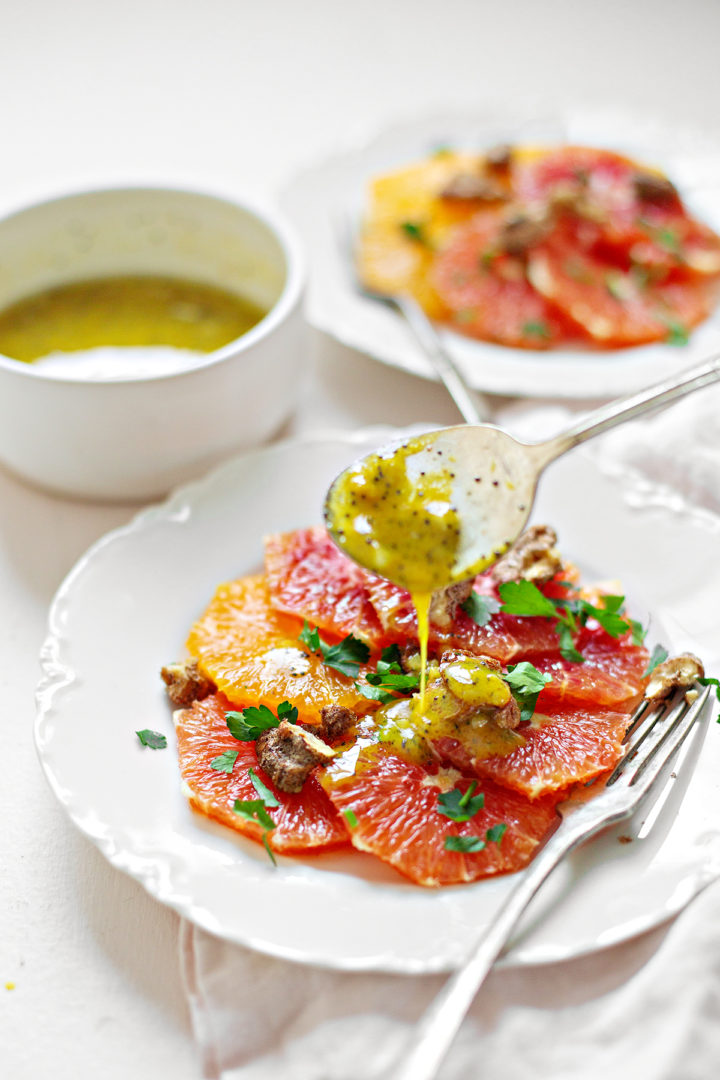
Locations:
(677, 672)
(533, 557)
(505, 716)
(469, 187)
(288, 753)
(522, 232)
(509, 716)
(445, 602)
(499, 158)
(451, 656)
(185, 684)
(335, 721)
(654, 189)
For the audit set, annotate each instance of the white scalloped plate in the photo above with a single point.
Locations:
(327, 191)
(125, 610)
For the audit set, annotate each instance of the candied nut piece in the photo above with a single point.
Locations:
(469, 187)
(445, 602)
(451, 656)
(533, 557)
(476, 681)
(509, 716)
(654, 189)
(185, 684)
(523, 232)
(336, 720)
(288, 753)
(677, 672)
(499, 158)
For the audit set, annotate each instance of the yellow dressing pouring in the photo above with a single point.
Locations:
(396, 513)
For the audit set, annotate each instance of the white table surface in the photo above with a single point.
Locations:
(232, 95)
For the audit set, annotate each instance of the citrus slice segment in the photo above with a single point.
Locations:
(569, 746)
(395, 805)
(253, 654)
(303, 822)
(309, 576)
(487, 292)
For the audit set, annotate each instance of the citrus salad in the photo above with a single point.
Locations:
(542, 247)
(297, 712)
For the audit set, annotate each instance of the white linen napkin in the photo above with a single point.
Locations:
(645, 1010)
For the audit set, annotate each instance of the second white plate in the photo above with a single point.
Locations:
(325, 193)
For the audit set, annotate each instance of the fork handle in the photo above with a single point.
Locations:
(473, 409)
(440, 1024)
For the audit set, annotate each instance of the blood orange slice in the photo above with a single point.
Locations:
(568, 746)
(611, 676)
(252, 653)
(309, 576)
(505, 637)
(487, 293)
(615, 308)
(305, 821)
(395, 804)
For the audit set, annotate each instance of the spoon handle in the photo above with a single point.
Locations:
(617, 412)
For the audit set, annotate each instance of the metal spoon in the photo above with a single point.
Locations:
(495, 476)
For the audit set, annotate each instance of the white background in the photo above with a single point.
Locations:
(232, 96)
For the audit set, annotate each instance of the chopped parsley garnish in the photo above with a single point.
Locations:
(459, 806)
(256, 810)
(706, 681)
(345, 657)
(473, 843)
(225, 762)
(262, 789)
(349, 816)
(247, 725)
(480, 608)
(668, 239)
(153, 739)
(526, 682)
(677, 334)
(414, 231)
(536, 329)
(658, 656)
(496, 832)
(525, 599)
(388, 677)
(487, 258)
(464, 843)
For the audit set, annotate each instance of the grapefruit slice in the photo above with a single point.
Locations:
(253, 655)
(568, 746)
(310, 577)
(395, 804)
(487, 293)
(615, 308)
(304, 822)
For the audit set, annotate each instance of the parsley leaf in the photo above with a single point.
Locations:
(567, 645)
(658, 656)
(536, 329)
(526, 682)
(374, 693)
(480, 608)
(458, 806)
(638, 631)
(225, 762)
(345, 657)
(524, 598)
(677, 334)
(414, 231)
(263, 791)
(349, 816)
(254, 810)
(153, 739)
(464, 843)
(496, 832)
(706, 681)
(247, 725)
(389, 680)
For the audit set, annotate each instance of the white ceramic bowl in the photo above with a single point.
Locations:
(136, 437)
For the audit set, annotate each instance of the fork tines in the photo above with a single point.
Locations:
(654, 735)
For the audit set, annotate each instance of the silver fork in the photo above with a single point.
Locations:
(655, 734)
(473, 408)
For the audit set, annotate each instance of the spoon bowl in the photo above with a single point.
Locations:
(440, 508)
